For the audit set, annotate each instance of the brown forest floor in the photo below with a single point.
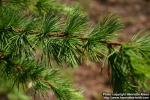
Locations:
(135, 14)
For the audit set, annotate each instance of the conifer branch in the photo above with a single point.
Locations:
(59, 34)
(65, 41)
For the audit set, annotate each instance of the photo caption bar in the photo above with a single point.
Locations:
(126, 96)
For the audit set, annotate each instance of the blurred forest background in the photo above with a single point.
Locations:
(135, 14)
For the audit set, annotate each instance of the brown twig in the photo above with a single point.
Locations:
(62, 34)
(111, 43)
